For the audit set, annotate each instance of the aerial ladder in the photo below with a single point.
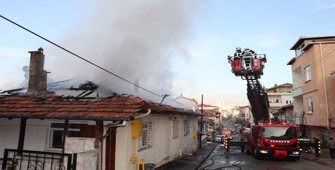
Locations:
(266, 139)
(249, 66)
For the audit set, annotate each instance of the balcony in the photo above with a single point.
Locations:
(296, 92)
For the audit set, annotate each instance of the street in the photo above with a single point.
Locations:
(240, 160)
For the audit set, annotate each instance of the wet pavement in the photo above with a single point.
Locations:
(190, 162)
(200, 159)
(324, 158)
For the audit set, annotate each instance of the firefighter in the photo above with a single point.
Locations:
(238, 53)
(248, 58)
(331, 146)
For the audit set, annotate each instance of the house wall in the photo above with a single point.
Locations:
(315, 87)
(9, 132)
(35, 135)
(164, 147)
(328, 53)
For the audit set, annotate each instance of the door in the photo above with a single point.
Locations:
(110, 148)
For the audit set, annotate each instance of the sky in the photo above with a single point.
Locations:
(171, 47)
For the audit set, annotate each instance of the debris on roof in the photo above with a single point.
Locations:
(49, 106)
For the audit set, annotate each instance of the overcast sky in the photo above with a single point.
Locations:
(173, 47)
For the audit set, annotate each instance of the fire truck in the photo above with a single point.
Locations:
(265, 139)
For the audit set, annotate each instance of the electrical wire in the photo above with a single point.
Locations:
(76, 55)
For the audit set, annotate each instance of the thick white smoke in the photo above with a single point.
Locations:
(134, 39)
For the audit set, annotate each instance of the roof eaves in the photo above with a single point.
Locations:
(302, 38)
(291, 61)
(65, 118)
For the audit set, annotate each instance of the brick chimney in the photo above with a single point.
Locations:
(37, 75)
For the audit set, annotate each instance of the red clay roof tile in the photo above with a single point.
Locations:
(59, 107)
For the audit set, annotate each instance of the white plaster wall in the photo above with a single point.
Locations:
(124, 147)
(36, 136)
(87, 155)
(9, 134)
(188, 141)
(162, 134)
(164, 147)
(287, 97)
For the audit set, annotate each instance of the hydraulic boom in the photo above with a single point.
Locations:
(249, 65)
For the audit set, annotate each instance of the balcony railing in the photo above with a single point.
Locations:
(26, 159)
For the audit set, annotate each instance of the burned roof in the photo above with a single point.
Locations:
(122, 107)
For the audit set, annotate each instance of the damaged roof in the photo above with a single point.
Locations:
(122, 107)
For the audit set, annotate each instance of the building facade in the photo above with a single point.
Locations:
(278, 96)
(313, 86)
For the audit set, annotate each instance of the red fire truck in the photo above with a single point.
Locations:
(265, 139)
(227, 132)
(277, 140)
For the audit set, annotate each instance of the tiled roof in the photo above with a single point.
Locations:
(59, 107)
(205, 105)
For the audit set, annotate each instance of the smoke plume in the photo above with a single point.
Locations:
(133, 39)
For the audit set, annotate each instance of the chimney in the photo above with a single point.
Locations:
(37, 76)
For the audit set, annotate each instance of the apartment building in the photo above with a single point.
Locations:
(314, 86)
(279, 96)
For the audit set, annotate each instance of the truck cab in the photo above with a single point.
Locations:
(278, 140)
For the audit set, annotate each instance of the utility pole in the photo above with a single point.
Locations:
(201, 123)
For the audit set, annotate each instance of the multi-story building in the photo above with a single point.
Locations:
(278, 96)
(313, 86)
(187, 102)
(245, 112)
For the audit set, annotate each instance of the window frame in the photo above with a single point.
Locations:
(175, 128)
(52, 130)
(146, 139)
(310, 107)
(308, 76)
(300, 50)
(187, 126)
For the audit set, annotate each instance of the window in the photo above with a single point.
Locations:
(310, 105)
(57, 133)
(175, 128)
(325, 135)
(146, 140)
(279, 133)
(308, 73)
(186, 127)
(300, 50)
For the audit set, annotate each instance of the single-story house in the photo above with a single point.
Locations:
(45, 131)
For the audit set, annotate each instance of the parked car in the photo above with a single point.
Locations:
(218, 138)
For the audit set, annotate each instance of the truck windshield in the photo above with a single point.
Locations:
(279, 132)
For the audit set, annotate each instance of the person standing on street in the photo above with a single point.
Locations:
(331, 146)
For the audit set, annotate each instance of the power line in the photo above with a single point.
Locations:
(76, 55)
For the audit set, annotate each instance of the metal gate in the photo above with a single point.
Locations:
(25, 159)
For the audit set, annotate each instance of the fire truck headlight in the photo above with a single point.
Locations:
(295, 152)
(263, 151)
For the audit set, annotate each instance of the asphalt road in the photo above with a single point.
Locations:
(238, 160)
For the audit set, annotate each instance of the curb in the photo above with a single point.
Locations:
(198, 166)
